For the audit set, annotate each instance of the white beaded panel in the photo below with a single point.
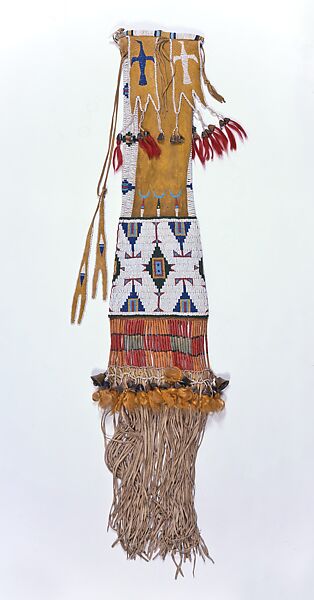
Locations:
(130, 123)
(159, 268)
(189, 189)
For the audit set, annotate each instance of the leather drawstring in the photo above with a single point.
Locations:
(80, 292)
(213, 92)
(163, 59)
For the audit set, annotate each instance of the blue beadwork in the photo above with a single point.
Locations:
(142, 58)
(132, 230)
(185, 304)
(180, 229)
(127, 186)
(132, 303)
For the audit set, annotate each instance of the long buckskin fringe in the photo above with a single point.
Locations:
(152, 456)
(159, 417)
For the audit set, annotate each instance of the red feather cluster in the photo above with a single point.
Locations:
(214, 141)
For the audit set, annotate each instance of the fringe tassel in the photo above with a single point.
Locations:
(80, 292)
(213, 92)
(152, 457)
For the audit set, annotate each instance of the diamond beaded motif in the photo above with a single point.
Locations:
(159, 268)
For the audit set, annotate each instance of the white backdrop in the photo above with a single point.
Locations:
(254, 493)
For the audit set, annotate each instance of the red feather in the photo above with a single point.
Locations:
(199, 149)
(232, 140)
(216, 145)
(222, 138)
(236, 130)
(237, 126)
(208, 151)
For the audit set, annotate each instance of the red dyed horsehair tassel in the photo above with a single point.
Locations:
(117, 158)
(231, 126)
(155, 147)
(208, 150)
(219, 143)
(149, 145)
(144, 145)
(197, 146)
(214, 142)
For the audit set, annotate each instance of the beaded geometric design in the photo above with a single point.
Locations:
(159, 268)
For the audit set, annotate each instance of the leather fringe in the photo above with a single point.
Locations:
(80, 293)
(152, 456)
